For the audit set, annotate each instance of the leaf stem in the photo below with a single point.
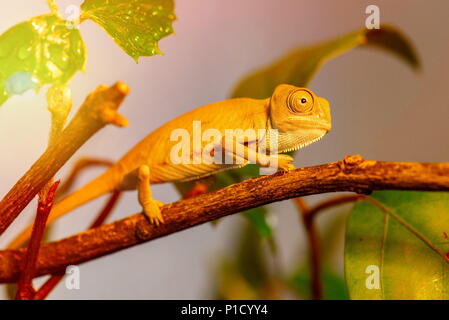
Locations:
(53, 6)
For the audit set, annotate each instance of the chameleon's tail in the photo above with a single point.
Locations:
(101, 185)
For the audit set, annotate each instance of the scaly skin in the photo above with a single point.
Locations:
(298, 115)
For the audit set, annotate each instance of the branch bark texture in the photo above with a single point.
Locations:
(353, 174)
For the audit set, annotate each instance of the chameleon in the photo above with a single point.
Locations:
(294, 117)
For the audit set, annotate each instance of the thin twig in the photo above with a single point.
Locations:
(48, 286)
(329, 203)
(98, 110)
(25, 289)
(301, 205)
(54, 279)
(80, 165)
(352, 174)
(53, 6)
(308, 216)
(316, 285)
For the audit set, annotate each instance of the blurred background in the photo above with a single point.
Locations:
(380, 109)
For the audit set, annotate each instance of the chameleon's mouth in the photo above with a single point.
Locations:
(314, 136)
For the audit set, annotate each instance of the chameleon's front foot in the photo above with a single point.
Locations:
(152, 211)
(151, 208)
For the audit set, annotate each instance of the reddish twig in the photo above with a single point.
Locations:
(25, 289)
(316, 285)
(54, 279)
(308, 217)
(80, 165)
(301, 205)
(329, 203)
(48, 286)
(106, 210)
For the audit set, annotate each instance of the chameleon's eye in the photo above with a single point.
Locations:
(300, 101)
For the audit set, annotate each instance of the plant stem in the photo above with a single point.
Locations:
(25, 289)
(53, 6)
(316, 285)
(329, 203)
(308, 216)
(352, 174)
(80, 165)
(48, 286)
(54, 279)
(98, 110)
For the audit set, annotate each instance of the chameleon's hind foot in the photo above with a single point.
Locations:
(151, 208)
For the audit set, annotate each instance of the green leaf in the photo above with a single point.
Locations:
(42, 50)
(299, 66)
(410, 267)
(135, 25)
(258, 218)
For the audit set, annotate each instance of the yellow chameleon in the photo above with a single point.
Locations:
(297, 116)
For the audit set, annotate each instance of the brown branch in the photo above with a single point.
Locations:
(352, 174)
(98, 110)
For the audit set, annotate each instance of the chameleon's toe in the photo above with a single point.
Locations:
(152, 211)
(285, 162)
(159, 203)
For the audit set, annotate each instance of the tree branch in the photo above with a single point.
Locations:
(98, 110)
(352, 174)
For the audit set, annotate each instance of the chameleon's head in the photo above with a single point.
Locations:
(299, 115)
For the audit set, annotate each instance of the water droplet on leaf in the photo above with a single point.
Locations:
(20, 82)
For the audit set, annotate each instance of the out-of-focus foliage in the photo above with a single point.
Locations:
(37, 52)
(334, 287)
(299, 66)
(135, 25)
(330, 239)
(248, 275)
(235, 279)
(409, 267)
